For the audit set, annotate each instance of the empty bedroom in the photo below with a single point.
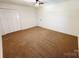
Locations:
(39, 28)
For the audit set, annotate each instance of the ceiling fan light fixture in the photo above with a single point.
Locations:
(37, 3)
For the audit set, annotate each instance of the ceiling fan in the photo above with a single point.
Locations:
(38, 3)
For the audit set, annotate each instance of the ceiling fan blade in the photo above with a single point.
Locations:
(41, 3)
(38, 1)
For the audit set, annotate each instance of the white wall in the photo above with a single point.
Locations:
(62, 17)
(22, 16)
(1, 53)
(0, 47)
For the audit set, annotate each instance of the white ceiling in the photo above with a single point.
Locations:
(30, 2)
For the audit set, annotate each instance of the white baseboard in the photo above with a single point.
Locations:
(58, 31)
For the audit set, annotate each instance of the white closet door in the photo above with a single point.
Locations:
(3, 22)
(13, 21)
(10, 21)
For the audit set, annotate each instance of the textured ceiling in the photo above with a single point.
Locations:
(30, 2)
